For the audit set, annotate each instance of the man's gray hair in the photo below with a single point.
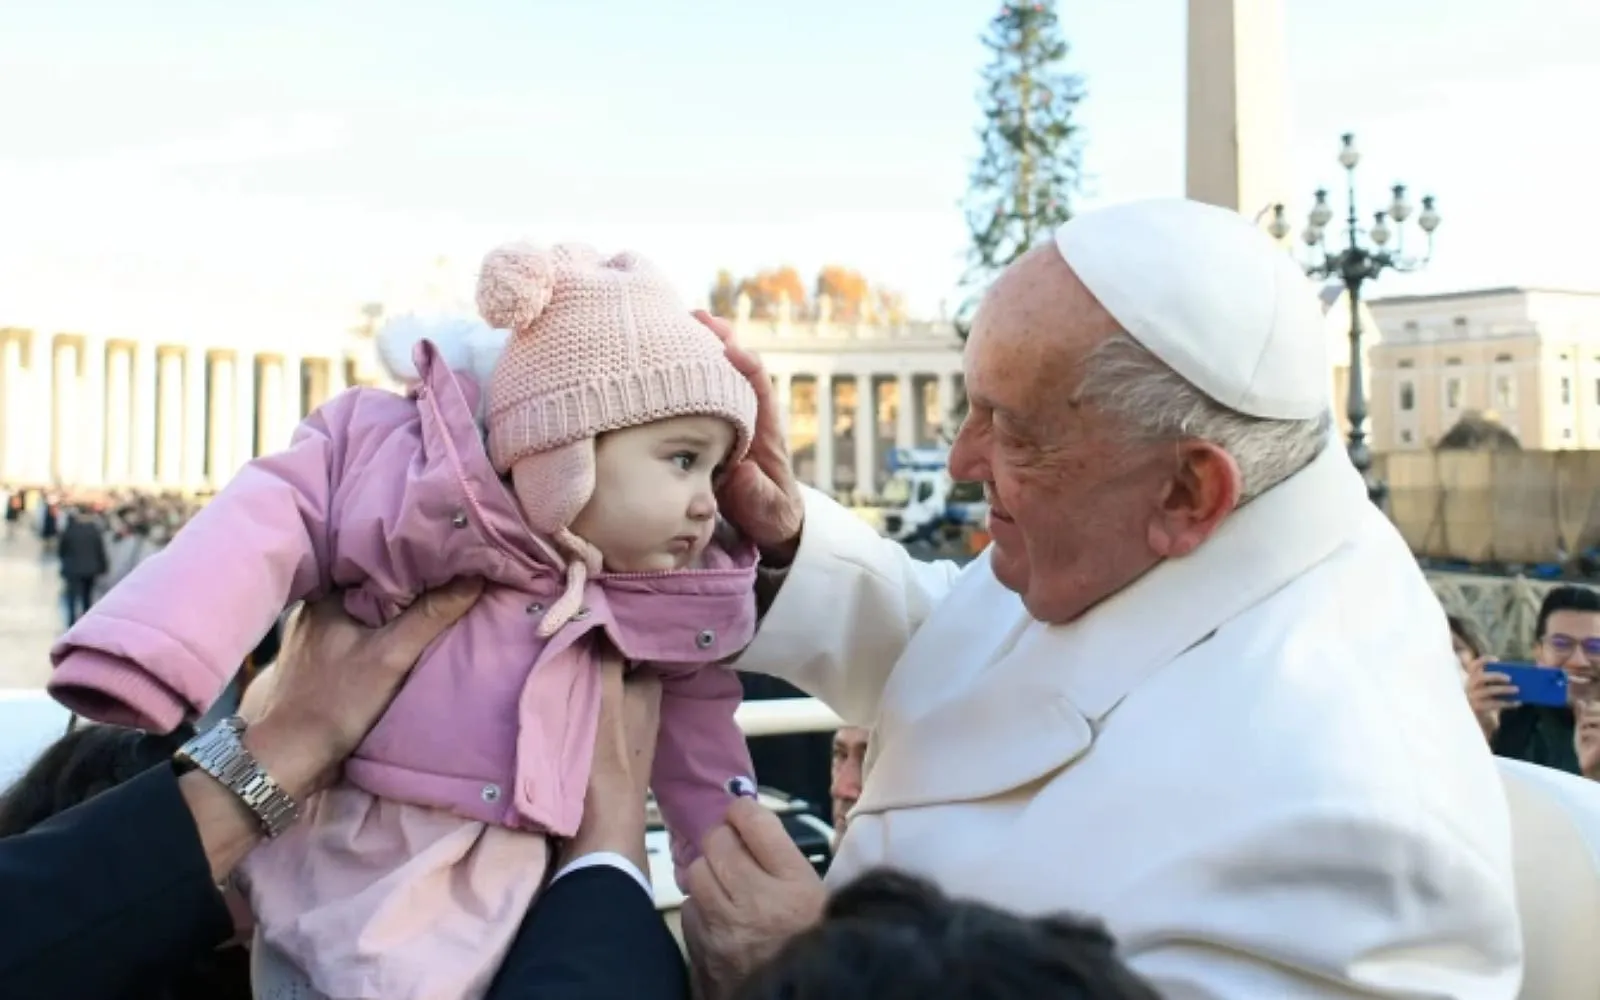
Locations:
(1155, 403)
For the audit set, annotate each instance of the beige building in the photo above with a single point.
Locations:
(876, 387)
(1528, 356)
(184, 413)
(176, 413)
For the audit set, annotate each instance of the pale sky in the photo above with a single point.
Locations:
(175, 162)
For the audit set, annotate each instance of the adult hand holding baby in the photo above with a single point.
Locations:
(619, 776)
(760, 495)
(333, 680)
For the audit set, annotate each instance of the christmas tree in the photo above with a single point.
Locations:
(1029, 166)
(1028, 169)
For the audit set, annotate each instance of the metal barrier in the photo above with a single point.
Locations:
(782, 716)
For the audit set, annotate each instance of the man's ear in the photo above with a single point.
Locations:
(1202, 491)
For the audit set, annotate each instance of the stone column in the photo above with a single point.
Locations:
(336, 382)
(866, 434)
(169, 418)
(13, 416)
(905, 411)
(244, 410)
(1237, 154)
(293, 403)
(65, 413)
(119, 416)
(38, 404)
(824, 450)
(146, 429)
(195, 394)
(220, 420)
(784, 391)
(92, 436)
(947, 399)
(271, 430)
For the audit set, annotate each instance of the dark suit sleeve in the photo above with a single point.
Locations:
(108, 899)
(592, 935)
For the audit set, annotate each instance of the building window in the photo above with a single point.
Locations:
(1502, 359)
(1408, 396)
(1405, 437)
(1452, 394)
(1566, 391)
(1505, 392)
(1411, 326)
(1404, 363)
(1452, 361)
(1461, 322)
(1597, 392)
(1566, 432)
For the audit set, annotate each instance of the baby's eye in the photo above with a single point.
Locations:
(685, 460)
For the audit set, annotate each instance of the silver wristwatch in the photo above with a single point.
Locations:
(219, 752)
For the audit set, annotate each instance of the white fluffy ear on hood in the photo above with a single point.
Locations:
(486, 345)
(458, 339)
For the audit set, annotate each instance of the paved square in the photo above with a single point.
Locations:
(30, 611)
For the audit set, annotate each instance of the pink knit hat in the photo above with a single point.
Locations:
(597, 344)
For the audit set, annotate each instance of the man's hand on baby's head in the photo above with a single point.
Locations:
(760, 494)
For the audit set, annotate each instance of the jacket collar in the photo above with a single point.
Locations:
(1047, 688)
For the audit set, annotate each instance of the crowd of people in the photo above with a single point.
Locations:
(1190, 727)
(96, 537)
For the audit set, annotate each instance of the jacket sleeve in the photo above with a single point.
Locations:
(698, 748)
(1328, 901)
(845, 611)
(166, 642)
(108, 899)
(592, 935)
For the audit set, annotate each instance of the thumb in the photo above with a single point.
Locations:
(766, 839)
(439, 609)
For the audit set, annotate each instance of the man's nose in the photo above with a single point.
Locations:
(966, 461)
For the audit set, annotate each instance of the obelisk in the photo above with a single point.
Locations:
(1238, 120)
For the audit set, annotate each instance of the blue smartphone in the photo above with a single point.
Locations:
(1535, 685)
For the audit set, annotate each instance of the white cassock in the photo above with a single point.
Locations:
(1255, 764)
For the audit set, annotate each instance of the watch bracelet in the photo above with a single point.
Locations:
(221, 753)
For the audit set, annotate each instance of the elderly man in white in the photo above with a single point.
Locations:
(1197, 686)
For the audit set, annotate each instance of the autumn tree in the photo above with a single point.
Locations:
(724, 293)
(767, 288)
(847, 291)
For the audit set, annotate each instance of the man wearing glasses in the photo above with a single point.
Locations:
(1568, 638)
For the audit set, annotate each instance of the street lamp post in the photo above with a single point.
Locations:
(1365, 256)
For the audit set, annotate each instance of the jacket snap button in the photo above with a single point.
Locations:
(705, 639)
(580, 614)
(535, 608)
(491, 793)
(460, 520)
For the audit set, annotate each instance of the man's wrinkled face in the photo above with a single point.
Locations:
(1071, 496)
(849, 755)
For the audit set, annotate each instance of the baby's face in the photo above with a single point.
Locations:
(654, 507)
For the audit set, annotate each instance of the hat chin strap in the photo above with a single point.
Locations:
(584, 564)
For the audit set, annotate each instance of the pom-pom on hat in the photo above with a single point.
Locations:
(597, 344)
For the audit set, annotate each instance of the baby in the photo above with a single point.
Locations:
(583, 496)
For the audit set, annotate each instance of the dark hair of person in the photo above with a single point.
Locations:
(92, 759)
(1468, 633)
(893, 936)
(80, 765)
(1565, 598)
